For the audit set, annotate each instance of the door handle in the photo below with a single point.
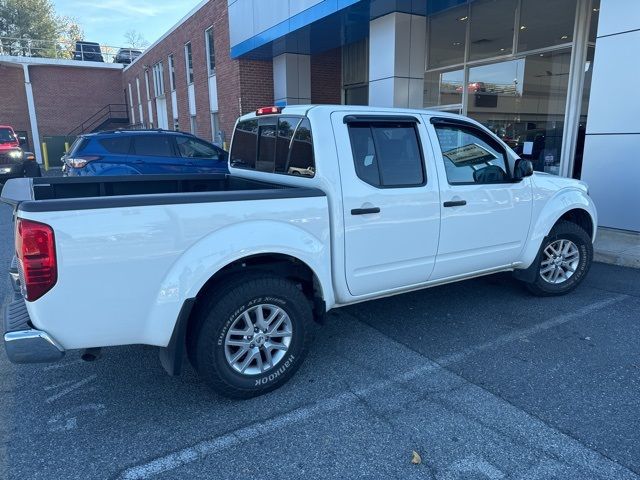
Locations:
(365, 211)
(455, 203)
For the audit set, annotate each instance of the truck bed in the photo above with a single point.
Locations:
(81, 193)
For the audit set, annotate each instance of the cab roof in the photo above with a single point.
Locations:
(304, 110)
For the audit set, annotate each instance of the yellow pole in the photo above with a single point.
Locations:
(66, 147)
(45, 156)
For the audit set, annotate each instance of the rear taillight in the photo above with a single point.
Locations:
(80, 162)
(36, 251)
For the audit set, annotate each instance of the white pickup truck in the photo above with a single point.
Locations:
(325, 206)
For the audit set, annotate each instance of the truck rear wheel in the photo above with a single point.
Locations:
(564, 260)
(253, 337)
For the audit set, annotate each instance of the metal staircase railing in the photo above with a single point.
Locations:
(110, 112)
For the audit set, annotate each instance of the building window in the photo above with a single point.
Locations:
(140, 114)
(172, 73)
(512, 75)
(176, 124)
(193, 125)
(491, 29)
(149, 103)
(211, 52)
(158, 80)
(216, 135)
(447, 37)
(538, 29)
(355, 73)
(133, 110)
(188, 59)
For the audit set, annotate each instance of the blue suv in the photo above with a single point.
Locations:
(127, 152)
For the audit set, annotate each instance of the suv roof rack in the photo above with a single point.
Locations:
(137, 130)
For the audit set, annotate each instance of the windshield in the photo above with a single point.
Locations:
(6, 135)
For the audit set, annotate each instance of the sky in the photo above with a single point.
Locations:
(106, 21)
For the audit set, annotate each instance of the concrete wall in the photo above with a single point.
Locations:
(611, 164)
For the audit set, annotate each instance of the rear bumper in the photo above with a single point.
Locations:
(23, 343)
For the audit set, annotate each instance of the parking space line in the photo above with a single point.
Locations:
(208, 447)
(528, 332)
(56, 366)
(71, 388)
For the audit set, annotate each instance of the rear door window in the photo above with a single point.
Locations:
(153, 145)
(116, 145)
(274, 144)
(387, 154)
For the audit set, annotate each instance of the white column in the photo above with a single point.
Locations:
(292, 79)
(397, 47)
(33, 120)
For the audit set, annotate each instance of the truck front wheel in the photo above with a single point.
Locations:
(253, 337)
(564, 260)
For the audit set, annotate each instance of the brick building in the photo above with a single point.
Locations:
(218, 88)
(46, 98)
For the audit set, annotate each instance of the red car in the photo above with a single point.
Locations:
(13, 161)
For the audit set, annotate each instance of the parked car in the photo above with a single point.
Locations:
(126, 55)
(235, 269)
(14, 162)
(88, 51)
(129, 152)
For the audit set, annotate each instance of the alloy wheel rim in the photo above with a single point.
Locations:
(258, 339)
(560, 261)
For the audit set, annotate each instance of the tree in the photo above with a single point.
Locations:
(69, 32)
(135, 39)
(29, 27)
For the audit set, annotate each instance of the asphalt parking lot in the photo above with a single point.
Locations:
(481, 379)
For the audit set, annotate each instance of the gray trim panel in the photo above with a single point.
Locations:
(67, 204)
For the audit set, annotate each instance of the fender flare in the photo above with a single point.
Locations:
(555, 207)
(197, 265)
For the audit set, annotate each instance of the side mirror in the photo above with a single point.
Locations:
(523, 168)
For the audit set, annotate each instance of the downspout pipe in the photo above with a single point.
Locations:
(33, 120)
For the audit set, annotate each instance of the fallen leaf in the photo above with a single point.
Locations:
(416, 459)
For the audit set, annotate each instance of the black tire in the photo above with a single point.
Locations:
(563, 231)
(206, 339)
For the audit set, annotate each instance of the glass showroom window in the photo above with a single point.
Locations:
(523, 101)
(447, 37)
(506, 63)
